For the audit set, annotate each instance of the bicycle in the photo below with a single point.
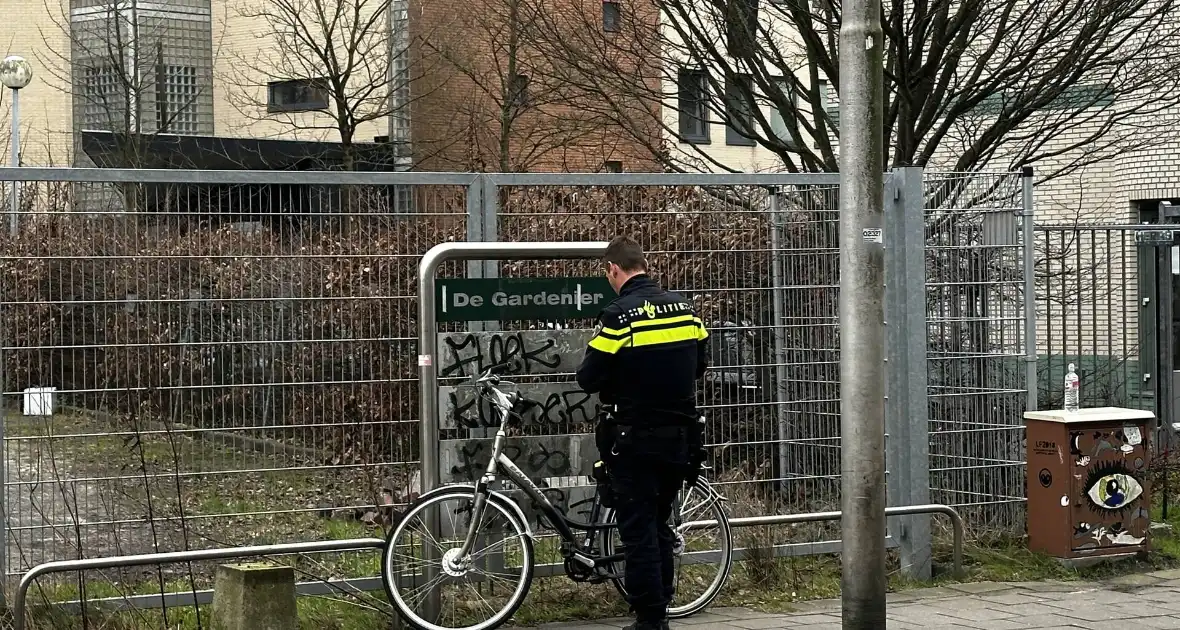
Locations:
(464, 566)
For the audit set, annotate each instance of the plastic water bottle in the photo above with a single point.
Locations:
(1073, 388)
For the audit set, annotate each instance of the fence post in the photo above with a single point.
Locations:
(491, 231)
(1027, 216)
(778, 332)
(906, 409)
(475, 233)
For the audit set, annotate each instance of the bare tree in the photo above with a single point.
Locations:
(968, 83)
(516, 113)
(327, 66)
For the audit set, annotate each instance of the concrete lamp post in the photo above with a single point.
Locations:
(15, 73)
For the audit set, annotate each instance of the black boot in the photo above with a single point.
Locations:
(648, 625)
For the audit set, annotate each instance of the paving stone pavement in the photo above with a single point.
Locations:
(1142, 601)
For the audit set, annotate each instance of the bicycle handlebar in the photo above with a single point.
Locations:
(488, 382)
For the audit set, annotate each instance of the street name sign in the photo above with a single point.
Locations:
(486, 299)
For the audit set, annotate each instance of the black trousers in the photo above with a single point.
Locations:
(646, 473)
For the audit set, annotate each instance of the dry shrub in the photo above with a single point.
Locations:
(304, 325)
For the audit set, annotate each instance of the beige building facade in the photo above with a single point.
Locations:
(161, 69)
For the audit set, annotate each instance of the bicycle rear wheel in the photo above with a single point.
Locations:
(479, 592)
(704, 556)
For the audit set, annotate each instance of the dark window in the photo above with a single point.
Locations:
(693, 88)
(741, 29)
(611, 16)
(612, 166)
(297, 95)
(783, 110)
(739, 111)
(518, 91)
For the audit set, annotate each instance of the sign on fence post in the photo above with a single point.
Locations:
(560, 460)
(548, 299)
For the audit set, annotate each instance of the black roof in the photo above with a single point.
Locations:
(110, 150)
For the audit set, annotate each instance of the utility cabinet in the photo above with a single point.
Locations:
(1088, 482)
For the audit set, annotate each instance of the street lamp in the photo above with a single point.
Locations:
(15, 73)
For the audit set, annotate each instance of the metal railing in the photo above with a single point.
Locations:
(957, 527)
(181, 599)
(196, 555)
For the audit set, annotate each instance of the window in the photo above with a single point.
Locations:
(176, 100)
(612, 166)
(1072, 98)
(518, 91)
(297, 95)
(103, 105)
(830, 102)
(779, 119)
(611, 16)
(693, 103)
(739, 111)
(741, 28)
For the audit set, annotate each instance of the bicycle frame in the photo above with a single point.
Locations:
(500, 464)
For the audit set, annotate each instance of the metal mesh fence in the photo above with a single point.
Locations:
(975, 319)
(232, 364)
(763, 275)
(1087, 298)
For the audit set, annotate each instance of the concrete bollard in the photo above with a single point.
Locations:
(254, 597)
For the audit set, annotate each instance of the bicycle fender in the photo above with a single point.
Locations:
(494, 495)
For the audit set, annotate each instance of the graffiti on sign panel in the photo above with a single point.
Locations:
(536, 456)
(545, 404)
(523, 352)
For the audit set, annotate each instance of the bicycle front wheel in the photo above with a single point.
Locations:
(703, 555)
(430, 582)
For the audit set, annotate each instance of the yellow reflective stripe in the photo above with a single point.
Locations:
(665, 335)
(609, 346)
(618, 332)
(703, 332)
(663, 320)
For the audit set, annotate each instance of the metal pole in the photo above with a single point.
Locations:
(13, 230)
(428, 351)
(14, 160)
(907, 415)
(1030, 290)
(778, 314)
(862, 315)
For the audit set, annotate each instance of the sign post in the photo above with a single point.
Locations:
(428, 313)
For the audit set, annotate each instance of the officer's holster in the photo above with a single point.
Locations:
(604, 439)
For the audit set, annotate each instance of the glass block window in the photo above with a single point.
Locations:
(176, 103)
(103, 102)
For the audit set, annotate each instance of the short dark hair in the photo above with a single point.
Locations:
(626, 253)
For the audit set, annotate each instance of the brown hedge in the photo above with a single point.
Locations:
(305, 328)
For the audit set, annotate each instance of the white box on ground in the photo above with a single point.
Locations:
(40, 401)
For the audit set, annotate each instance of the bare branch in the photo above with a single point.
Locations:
(970, 83)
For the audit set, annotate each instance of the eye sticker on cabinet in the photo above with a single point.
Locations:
(1111, 487)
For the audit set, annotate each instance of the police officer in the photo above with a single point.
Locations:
(643, 361)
